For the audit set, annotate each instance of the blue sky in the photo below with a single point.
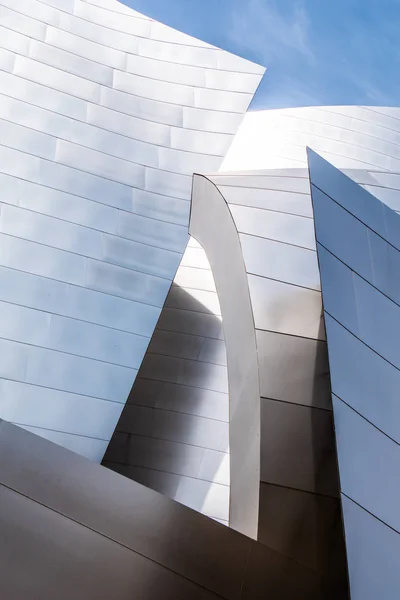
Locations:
(316, 51)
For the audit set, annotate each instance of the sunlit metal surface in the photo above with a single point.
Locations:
(104, 116)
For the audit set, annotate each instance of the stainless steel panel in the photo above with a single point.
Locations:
(190, 299)
(215, 467)
(221, 100)
(6, 61)
(213, 351)
(46, 230)
(264, 181)
(152, 453)
(126, 283)
(24, 324)
(184, 162)
(211, 499)
(98, 163)
(293, 369)
(297, 449)
(191, 373)
(57, 79)
(76, 573)
(139, 129)
(170, 184)
(168, 71)
(11, 40)
(338, 290)
(368, 464)
(46, 408)
(90, 448)
(378, 320)
(200, 141)
(280, 261)
(95, 341)
(76, 374)
(17, 21)
(211, 120)
(39, 95)
(176, 344)
(385, 266)
(71, 63)
(195, 257)
(347, 193)
(42, 260)
(164, 208)
(372, 550)
(269, 199)
(112, 20)
(153, 232)
(72, 301)
(281, 227)
(27, 140)
(143, 108)
(202, 57)
(352, 246)
(153, 90)
(140, 257)
(232, 81)
(388, 196)
(98, 492)
(286, 308)
(194, 278)
(190, 322)
(306, 527)
(105, 55)
(37, 10)
(14, 360)
(363, 379)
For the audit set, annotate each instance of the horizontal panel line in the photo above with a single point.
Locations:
(167, 410)
(245, 188)
(287, 487)
(271, 239)
(303, 287)
(81, 287)
(101, 231)
(365, 418)
(103, 85)
(67, 393)
(192, 360)
(357, 274)
(64, 316)
(106, 463)
(362, 341)
(136, 15)
(84, 256)
(90, 437)
(370, 513)
(281, 212)
(116, 208)
(358, 118)
(292, 403)
(111, 539)
(152, 437)
(94, 126)
(301, 337)
(43, 347)
(181, 385)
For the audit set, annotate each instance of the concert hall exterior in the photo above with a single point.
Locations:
(199, 322)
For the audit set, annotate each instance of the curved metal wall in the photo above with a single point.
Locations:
(358, 240)
(104, 116)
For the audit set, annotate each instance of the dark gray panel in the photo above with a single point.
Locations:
(378, 320)
(306, 527)
(270, 575)
(61, 558)
(363, 379)
(297, 448)
(213, 351)
(196, 300)
(373, 551)
(346, 192)
(338, 290)
(293, 369)
(191, 322)
(176, 344)
(105, 502)
(351, 244)
(369, 463)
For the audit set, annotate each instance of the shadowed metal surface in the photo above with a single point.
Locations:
(358, 249)
(104, 116)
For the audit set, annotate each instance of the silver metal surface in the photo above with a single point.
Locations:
(102, 122)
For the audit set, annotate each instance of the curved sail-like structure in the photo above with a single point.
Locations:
(104, 116)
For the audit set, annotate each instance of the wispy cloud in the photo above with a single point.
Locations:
(268, 31)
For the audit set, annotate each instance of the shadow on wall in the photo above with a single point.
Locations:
(173, 434)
